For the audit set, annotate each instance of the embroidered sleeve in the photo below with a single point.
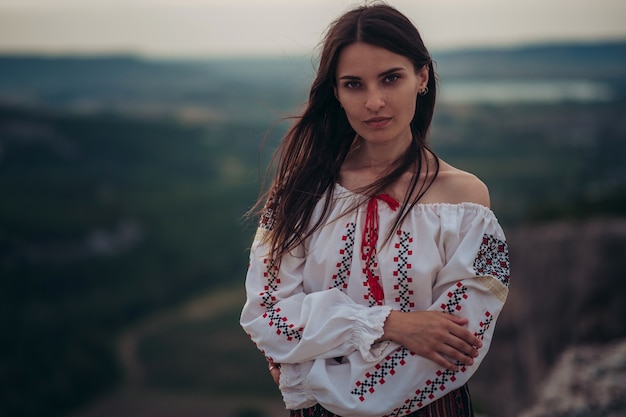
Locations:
(473, 284)
(291, 326)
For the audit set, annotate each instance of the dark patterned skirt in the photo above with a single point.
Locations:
(454, 404)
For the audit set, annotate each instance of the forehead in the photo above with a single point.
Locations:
(362, 59)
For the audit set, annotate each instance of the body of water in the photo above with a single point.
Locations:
(502, 91)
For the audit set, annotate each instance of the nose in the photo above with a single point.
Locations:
(375, 100)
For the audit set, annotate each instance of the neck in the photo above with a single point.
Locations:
(378, 156)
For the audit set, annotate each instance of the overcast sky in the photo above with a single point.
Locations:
(175, 28)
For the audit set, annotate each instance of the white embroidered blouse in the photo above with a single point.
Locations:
(317, 316)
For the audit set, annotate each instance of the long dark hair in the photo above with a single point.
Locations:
(311, 154)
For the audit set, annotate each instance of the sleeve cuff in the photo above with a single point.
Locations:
(367, 330)
(292, 385)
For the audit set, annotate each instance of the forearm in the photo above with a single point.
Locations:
(438, 336)
(403, 376)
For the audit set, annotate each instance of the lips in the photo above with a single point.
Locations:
(378, 122)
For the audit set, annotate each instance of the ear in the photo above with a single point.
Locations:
(423, 77)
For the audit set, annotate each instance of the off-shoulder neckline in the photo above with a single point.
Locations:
(342, 191)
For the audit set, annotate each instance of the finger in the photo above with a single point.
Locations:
(443, 362)
(275, 372)
(461, 331)
(461, 321)
(466, 336)
(462, 346)
(456, 355)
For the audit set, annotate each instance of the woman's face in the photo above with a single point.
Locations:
(377, 89)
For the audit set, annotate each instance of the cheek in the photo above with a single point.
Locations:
(410, 105)
(354, 117)
(350, 109)
(353, 120)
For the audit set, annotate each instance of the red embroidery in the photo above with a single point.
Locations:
(484, 325)
(269, 214)
(493, 259)
(276, 319)
(455, 298)
(402, 272)
(340, 278)
(382, 369)
(427, 392)
(369, 240)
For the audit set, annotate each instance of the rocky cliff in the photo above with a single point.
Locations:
(568, 288)
(586, 381)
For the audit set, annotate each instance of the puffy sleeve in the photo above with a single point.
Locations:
(473, 283)
(291, 326)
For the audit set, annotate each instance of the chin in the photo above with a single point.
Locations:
(378, 137)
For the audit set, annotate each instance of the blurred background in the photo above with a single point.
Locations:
(130, 149)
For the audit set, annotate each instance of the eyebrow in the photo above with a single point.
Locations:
(382, 74)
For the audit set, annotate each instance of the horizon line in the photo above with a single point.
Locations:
(74, 53)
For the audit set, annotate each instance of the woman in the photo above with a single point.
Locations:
(378, 270)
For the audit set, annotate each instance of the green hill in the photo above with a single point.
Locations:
(104, 220)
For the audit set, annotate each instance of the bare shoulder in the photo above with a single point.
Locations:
(457, 186)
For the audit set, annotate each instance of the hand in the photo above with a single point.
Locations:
(274, 369)
(437, 336)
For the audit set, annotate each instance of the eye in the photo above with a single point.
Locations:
(352, 84)
(391, 78)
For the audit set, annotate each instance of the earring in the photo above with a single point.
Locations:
(424, 90)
